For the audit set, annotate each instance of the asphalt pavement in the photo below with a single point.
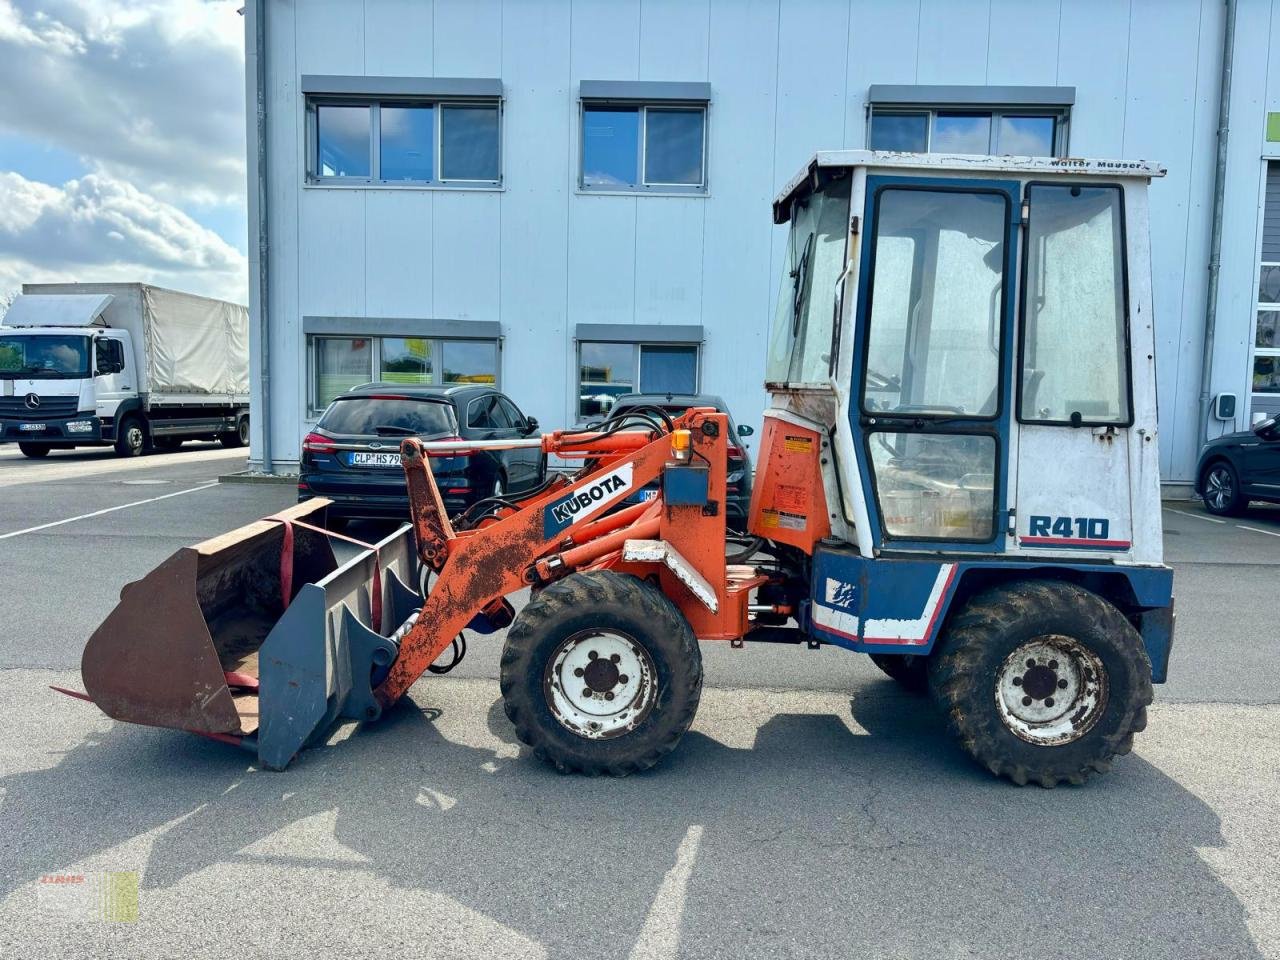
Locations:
(814, 810)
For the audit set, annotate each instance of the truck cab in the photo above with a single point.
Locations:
(962, 378)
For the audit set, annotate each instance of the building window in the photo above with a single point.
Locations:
(1266, 336)
(405, 142)
(644, 147)
(996, 132)
(607, 371)
(340, 363)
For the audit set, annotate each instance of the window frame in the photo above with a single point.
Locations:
(314, 178)
(1061, 116)
(637, 346)
(376, 360)
(1262, 306)
(1002, 371)
(644, 186)
(1021, 319)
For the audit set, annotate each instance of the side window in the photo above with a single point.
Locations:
(1074, 363)
(480, 414)
(110, 356)
(514, 417)
(937, 297)
(498, 411)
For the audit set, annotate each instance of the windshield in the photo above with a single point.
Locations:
(34, 357)
(388, 417)
(800, 346)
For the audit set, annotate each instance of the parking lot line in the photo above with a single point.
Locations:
(1269, 533)
(98, 513)
(1194, 516)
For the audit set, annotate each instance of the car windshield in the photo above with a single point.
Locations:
(384, 416)
(38, 357)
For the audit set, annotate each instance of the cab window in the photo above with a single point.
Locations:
(1074, 363)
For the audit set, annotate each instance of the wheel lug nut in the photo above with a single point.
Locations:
(578, 671)
(1053, 664)
(622, 678)
(614, 657)
(1031, 662)
(586, 692)
(591, 654)
(1026, 701)
(608, 696)
(1017, 681)
(1062, 684)
(1048, 701)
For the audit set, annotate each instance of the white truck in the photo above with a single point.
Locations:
(127, 365)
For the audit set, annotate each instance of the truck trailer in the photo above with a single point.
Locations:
(127, 365)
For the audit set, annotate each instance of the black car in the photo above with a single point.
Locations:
(1240, 467)
(364, 478)
(739, 474)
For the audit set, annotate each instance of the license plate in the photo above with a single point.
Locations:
(375, 459)
(31, 426)
(646, 495)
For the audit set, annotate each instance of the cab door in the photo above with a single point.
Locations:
(1074, 402)
(930, 411)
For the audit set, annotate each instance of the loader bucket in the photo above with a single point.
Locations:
(261, 636)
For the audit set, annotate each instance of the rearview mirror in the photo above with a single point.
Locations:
(744, 430)
(1268, 429)
(530, 424)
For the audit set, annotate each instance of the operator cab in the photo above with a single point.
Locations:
(971, 338)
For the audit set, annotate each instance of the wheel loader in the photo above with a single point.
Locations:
(958, 475)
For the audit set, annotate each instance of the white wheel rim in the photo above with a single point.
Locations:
(1051, 691)
(600, 684)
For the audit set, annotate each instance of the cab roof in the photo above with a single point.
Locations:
(956, 163)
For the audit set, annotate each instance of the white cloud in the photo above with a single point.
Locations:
(146, 90)
(100, 228)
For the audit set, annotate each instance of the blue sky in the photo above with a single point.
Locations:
(122, 150)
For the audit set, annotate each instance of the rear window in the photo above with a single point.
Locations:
(364, 415)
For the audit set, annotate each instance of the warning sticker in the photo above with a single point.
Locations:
(787, 521)
(791, 498)
(797, 444)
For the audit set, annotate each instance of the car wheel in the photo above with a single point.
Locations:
(34, 450)
(131, 439)
(1222, 494)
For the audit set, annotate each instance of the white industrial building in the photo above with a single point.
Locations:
(572, 197)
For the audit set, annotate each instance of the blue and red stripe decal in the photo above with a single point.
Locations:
(1075, 543)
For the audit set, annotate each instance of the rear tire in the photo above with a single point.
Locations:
(131, 438)
(239, 437)
(601, 674)
(910, 670)
(1222, 494)
(1042, 682)
(35, 451)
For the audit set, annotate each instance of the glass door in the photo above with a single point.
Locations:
(934, 320)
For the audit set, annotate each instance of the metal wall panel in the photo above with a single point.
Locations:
(786, 79)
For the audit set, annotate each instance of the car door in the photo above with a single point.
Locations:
(1261, 456)
(488, 421)
(526, 462)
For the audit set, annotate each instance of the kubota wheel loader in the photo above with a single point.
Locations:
(958, 475)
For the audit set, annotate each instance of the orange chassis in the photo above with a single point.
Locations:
(564, 529)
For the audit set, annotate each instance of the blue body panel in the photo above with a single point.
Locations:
(890, 605)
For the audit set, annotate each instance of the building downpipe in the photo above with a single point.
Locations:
(264, 246)
(1215, 233)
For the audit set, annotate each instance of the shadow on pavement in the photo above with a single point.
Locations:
(815, 840)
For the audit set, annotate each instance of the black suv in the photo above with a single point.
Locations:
(364, 478)
(738, 480)
(1240, 467)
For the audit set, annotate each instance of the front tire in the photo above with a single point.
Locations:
(601, 674)
(35, 451)
(131, 438)
(1222, 494)
(1042, 682)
